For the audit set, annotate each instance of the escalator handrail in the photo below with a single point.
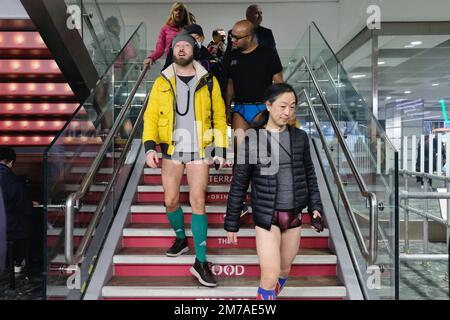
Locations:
(72, 201)
(369, 254)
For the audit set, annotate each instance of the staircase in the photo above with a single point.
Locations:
(35, 100)
(142, 271)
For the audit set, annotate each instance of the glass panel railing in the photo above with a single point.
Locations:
(104, 31)
(70, 156)
(368, 148)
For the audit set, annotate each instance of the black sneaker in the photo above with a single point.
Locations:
(202, 272)
(179, 247)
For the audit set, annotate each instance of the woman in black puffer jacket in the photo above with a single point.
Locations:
(276, 160)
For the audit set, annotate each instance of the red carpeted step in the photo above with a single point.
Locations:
(226, 262)
(228, 288)
(156, 213)
(161, 235)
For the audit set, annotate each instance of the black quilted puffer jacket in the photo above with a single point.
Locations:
(264, 186)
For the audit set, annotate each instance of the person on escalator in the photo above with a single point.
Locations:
(283, 182)
(178, 18)
(185, 115)
(249, 70)
(263, 36)
(108, 46)
(201, 53)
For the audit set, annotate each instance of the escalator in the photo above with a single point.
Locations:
(109, 228)
(354, 149)
(79, 198)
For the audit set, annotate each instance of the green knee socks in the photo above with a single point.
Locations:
(199, 231)
(177, 222)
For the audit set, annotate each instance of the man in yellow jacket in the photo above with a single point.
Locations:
(185, 115)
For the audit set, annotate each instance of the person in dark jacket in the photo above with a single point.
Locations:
(17, 202)
(263, 36)
(283, 183)
(2, 233)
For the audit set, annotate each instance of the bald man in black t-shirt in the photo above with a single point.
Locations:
(250, 70)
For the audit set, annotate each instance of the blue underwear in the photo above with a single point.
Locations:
(249, 111)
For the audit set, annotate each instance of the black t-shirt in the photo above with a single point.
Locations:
(186, 79)
(251, 73)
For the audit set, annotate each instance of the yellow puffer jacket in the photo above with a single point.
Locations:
(159, 116)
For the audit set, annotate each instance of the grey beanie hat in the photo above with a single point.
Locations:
(183, 37)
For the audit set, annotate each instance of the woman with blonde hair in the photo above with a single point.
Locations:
(178, 18)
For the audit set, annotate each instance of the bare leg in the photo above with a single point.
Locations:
(171, 174)
(268, 248)
(197, 176)
(290, 241)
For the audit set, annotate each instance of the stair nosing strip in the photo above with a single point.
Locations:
(186, 292)
(213, 232)
(212, 171)
(184, 188)
(217, 259)
(144, 208)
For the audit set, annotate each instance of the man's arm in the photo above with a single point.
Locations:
(278, 77)
(229, 99)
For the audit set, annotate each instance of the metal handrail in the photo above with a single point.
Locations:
(372, 117)
(72, 201)
(423, 175)
(370, 254)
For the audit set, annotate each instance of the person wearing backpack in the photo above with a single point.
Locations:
(185, 116)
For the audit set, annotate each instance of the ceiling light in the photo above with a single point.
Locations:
(388, 98)
(409, 46)
(416, 43)
(407, 92)
(358, 76)
(380, 63)
(435, 84)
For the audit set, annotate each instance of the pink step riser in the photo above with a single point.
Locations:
(216, 242)
(219, 270)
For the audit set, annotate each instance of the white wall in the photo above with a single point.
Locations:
(288, 21)
(339, 20)
(12, 9)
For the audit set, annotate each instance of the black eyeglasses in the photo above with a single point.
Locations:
(239, 38)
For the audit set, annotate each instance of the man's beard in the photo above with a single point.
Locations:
(183, 61)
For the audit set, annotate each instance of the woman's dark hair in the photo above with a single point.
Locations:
(272, 93)
(276, 90)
